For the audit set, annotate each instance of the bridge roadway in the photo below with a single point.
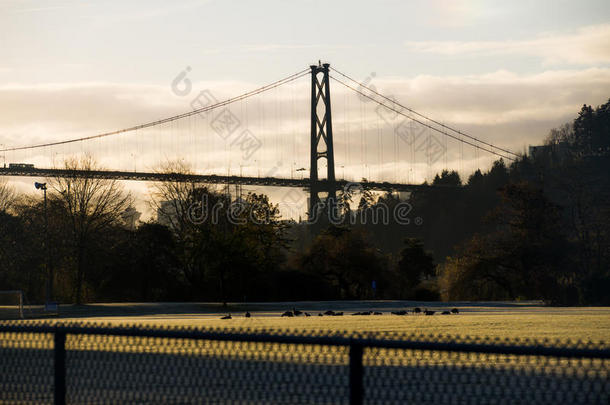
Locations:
(203, 178)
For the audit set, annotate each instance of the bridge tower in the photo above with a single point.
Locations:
(321, 130)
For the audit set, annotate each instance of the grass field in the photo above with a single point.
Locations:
(154, 370)
(528, 320)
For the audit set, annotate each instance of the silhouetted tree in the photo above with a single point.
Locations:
(447, 178)
(415, 264)
(90, 206)
(347, 261)
(7, 196)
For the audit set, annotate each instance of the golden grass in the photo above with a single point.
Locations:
(575, 324)
(584, 324)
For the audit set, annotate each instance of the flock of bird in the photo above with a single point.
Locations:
(295, 312)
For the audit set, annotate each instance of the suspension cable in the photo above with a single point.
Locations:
(420, 122)
(423, 116)
(254, 92)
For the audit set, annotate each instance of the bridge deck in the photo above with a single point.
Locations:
(204, 178)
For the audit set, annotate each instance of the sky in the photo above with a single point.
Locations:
(506, 72)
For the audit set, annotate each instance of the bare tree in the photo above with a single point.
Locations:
(173, 200)
(170, 200)
(90, 206)
(7, 196)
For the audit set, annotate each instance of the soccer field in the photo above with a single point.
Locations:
(495, 320)
(118, 369)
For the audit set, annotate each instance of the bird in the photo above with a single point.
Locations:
(227, 317)
(403, 312)
(288, 313)
(417, 310)
(248, 314)
(446, 313)
(338, 314)
(377, 313)
(320, 314)
(307, 314)
(455, 311)
(296, 312)
(329, 312)
(429, 312)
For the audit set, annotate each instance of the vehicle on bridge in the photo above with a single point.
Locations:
(20, 166)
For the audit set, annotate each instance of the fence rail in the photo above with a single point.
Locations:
(102, 364)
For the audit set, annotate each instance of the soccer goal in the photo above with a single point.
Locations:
(11, 304)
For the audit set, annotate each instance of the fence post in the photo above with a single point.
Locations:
(60, 367)
(356, 390)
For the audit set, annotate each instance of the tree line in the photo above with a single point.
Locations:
(534, 229)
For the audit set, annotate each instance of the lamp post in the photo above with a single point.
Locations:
(49, 289)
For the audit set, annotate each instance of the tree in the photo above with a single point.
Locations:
(7, 196)
(143, 266)
(345, 259)
(565, 133)
(415, 264)
(447, 178)
(526, 255)
(478, 271)
(89, 206)
(21, 267)
(243, 243)
(173, 201)
(583, 129)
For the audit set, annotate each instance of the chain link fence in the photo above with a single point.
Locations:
(86, 364)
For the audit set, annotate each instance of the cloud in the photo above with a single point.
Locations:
(587, 45)
(502, 97)
(40, 9)
(507, 109)
(463, 13)
(277, 47)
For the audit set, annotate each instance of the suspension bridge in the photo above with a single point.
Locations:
(399, 146)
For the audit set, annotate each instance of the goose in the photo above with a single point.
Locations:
(227, 317)
(296, 312)
(288, 313)
(455, 311)
(248, 314)
(417, 310)
(445, 313)
(428, 312)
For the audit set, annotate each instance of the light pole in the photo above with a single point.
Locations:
(49, 289)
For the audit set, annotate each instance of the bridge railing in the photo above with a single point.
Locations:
(44, 363)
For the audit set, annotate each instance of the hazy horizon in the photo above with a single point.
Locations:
(506, 73)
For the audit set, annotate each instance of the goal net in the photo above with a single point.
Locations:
(11, 304)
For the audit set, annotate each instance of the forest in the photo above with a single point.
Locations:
(534, 228)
